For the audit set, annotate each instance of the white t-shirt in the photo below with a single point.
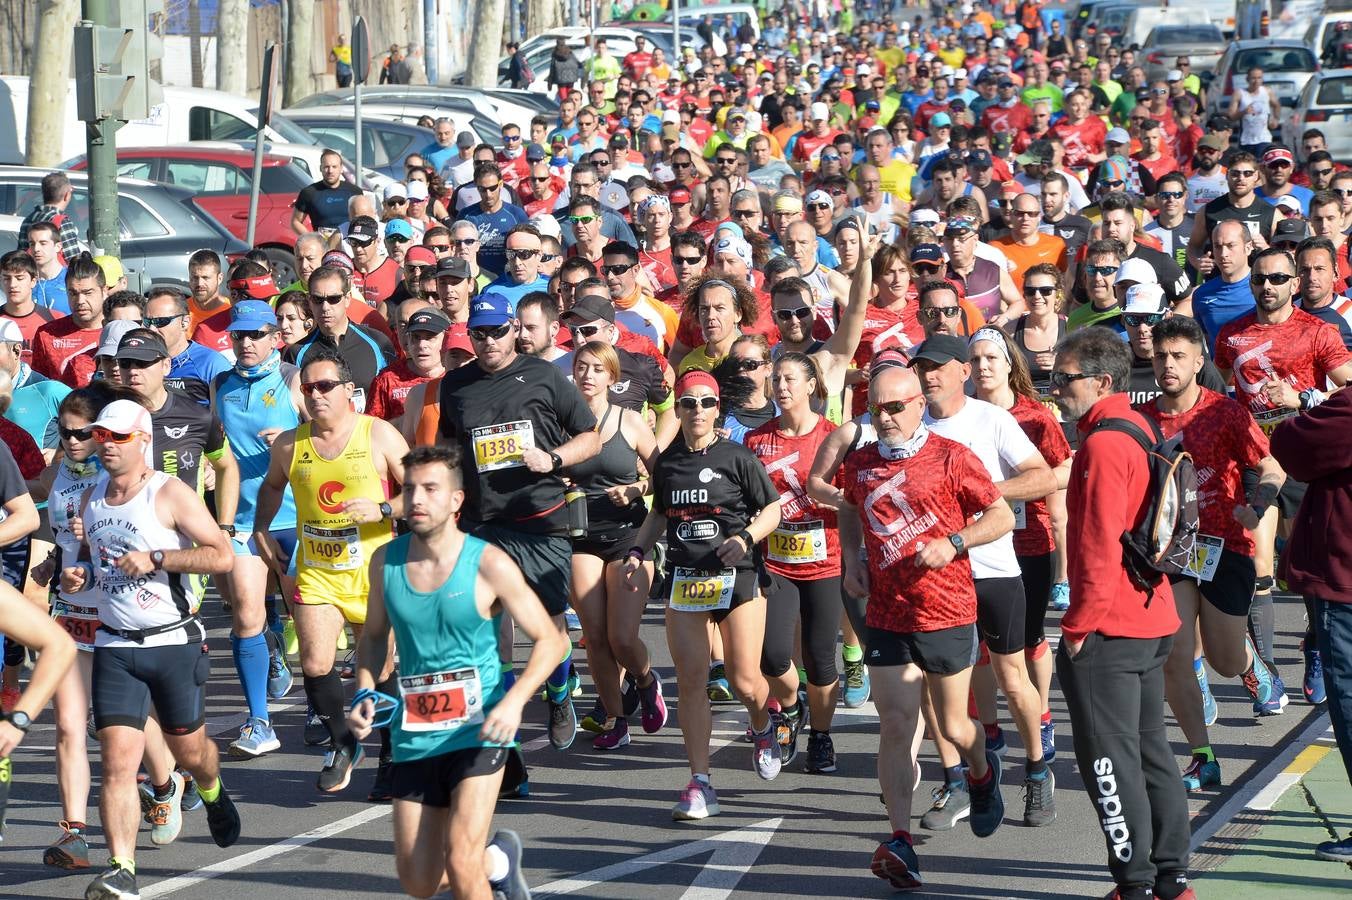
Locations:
(995, 437)
(1254, 110)
(1202, 189)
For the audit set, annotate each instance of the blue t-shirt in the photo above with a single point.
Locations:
(506, 287)
(1217, 302)
(50, 293)
(247, 405)
(1303, 194)
(493, 228)
(34, 407)
(193, 370)
(437, 156)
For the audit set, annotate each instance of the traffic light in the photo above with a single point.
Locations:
(113, 60)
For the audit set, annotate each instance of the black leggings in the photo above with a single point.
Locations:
(818, 603)
(1036, 572)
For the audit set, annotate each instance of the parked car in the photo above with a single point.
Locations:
(465, 118)
(385, 143)
(1203, 45)
(220, 180)
(1287, 65)
(160, 225)
(1081, 19)
(1145, 19)
(1111, 17)
(1324, 103)
(1324, 30)
(405, 103)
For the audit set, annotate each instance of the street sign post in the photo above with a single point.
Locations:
(361, 70)
(265, 103)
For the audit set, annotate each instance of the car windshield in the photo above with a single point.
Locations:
(1276, 59)
(1186, 34)
(1335, 92)
(291, 132)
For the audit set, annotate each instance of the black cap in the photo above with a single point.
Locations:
(453, 267)
(143, 346)
(1219, 122)
(535, 153)
(363, 230)
(1290, 231)
(941, 348)
(590, 309)
(428, 319)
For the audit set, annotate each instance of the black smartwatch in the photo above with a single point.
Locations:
(958, 543)
(20, 720)
(228, 529)
(386, 511)
(558, 461)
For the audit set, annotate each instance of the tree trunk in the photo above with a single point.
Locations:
(195, 44)
(50, 82)
(542, 15)
(232, 46)
(300, 25)
(485, 51)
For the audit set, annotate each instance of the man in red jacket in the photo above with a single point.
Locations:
(1116, 636)
(1310, 449)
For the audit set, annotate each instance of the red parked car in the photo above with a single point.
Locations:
(220, 178)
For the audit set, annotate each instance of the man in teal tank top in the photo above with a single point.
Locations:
(443, 593)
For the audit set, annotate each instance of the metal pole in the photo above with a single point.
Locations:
(101, 149)
(356, 113)
(431, 45)
(267, 99)
(676, 33)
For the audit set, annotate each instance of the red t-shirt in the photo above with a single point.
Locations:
(24, 449)
(1014, 118)
(1081, 140)
(1158, 167)
(809, 146)
(1301, 351)
(637, 64)
(214, 332)
(379, 283)
(657, 263)
(883, 330)
(806, 545)
(904, 504)
(1224, 441)
(513, 169)
(29, 326)
(1036, 538)
(688, 331)
(389, 390)
(58, 342)
(80, 371)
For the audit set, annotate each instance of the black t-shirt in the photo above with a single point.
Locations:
(12, 483)
(640, 381)
(1259, 214)
(1174, 281)
(365, 350)
(326, 206)
(1072, 229)
(493, 416)
(708, 496)
(184, 430)
(1143, 386)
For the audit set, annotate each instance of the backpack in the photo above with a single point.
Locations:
(1163, 543)
(527, 73)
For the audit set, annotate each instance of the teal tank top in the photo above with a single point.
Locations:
(449, 676)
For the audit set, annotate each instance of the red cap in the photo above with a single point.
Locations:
(1278, 154)
(259, 287)
(457, 338)
(695, 378)
(679, 195)
(420, 256)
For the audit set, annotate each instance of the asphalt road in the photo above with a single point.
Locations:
(599, 825)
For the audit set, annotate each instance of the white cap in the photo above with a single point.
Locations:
(744, 48)
(396, 189)
(671, 117)
(1286, 201)
(820, 112)
(1174, 75)
(997, 41)
(905, 27)
(417, 190)
(111, 336)
(947, 71)
(1144, 298)
(924, 216)
(1137, 270)
(10, 333)
(124, 417)
(753, 121)
(863, 69)
(960, 74)
(547, 225)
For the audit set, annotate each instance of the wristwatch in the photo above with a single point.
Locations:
(228, 529)
(20, 720)
(386, 511)
(157, 559)
(558, 461)
(958, 543)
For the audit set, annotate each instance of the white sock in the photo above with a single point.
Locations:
(499, 864)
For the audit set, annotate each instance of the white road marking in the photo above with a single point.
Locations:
(734, 853)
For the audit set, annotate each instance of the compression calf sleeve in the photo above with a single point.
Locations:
(251, 664)
(1262, 624)
(325, 694)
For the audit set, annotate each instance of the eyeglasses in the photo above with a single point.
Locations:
(104, 436)
(257, 335)
(1102, 271)
(395, 201)
(525, 253)
(1321, 173)
(441, 248)
(686, 260)
(163, 321)
(490, 333)
(323, 386)
(1277, 278)
(1242, 173)
(617, 269)
(333, 299)
(586, 332)
(1062, 380)
(692, 403)
(582, 220)
(511, 138)
(548, 257)
(745, 213)
(800, 312)
(79, 434)
(1172, 195)
(751, 365)
(891, 407)
(934, 312)
(1039, 290)
(1027, 213)
(1136, 320)
(462, 242)
(136, 363)
(1159, 92)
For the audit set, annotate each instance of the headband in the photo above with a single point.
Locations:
(996, 337)
(260, 287)
(695, 377)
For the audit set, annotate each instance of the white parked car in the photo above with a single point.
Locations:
(1326, 104)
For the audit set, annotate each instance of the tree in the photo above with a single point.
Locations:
(485, 52)
(298, 82)
(232, 46)
(50, 82)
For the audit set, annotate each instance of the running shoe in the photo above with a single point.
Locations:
(613, 738)
(1039, 800)
(1276, 703)
(256, 737)
(191, 798)
(988, 806)
(630, 695)
(1258, 681)
(952, 803)
(70, 851)
(289, 640)
(1048, 735)
(766, 753)
(223, 818)
(166, 816)
(1061, 596)
(114, 883)
(280, 679)
(821, 754)
(514, 886)
(571, 620)
(1313, 683)
(997, 744)
(1210, 712)
(382, 789)
(1201, 773)
(653, 703)
(787, 727)
(594, 721)
(858, 688)
(316, 732)
(1335, 851)
(895, 862)
(697, 801)
(719, 689)
(9, 698)
(338, 765)
(562, 723)
(348, 667)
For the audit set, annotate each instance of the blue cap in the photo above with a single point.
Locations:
(252, 315)
(939, 120)
(489, 310)
(400, 228)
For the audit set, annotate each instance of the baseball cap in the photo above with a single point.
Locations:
(591, 308)
(112, 268)
(547, 225)
(788, 202)
(981, 159)
(420, 256)
(1278, 154)
(820, 111)
(457, 338)
(124, 417)
(671, 117)
(1174, 75)
(1039, 153)
(147, 347)
(429, 319)
(1005, 82)
(1114, 168)
(1290, 231)
(259, 287)
(363, 231)
(535, 153)
(941, 348)
(679, 196)
(671, 132)
(417, 190)
(464, 140)
(1117, 136)
(399, 228)
(490, 310)
(453, 267)
(925, 216)
(1289, 203)
(960, 223)
(1213, 142)
(1144, 298)
(1219, 122)
(252, 315)
(960, 74)
(872, 104)
(927, 253)
(10, 333)
(396, 189)
(941, 120)
(109, 337)
(1137, 270)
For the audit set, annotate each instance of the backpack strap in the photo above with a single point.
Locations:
(1132, 430)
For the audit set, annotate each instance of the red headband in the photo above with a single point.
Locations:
(259, 287)
(693, 378)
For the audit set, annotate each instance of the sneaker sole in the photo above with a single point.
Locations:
(60, 859)
(237, 751)
(932, 826)
(823, 770)
(680, 815)
(623, 742)
(896, 873)
(1333, 857)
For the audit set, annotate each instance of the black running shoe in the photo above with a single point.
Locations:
(338, 765)
(222, 819)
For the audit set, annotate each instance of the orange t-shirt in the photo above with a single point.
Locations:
(1048, 248)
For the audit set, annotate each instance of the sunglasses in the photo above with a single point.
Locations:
(396, 201)
(256, 335)
(323, 386)
(548, 257)
(126, 364)
(511, 138)
(79, 434)
(586, 331)
(397, 239)
(834, 157)
(819, 206)
(104, 436)
(617, 269)
(1321, 173)
(1172, 195)
(1243, 173)
(582, 220)
(1062, 380)
(801, 312)
(726, 160)
(490, 333)
(686, 260)
(677, 165)
(540, 180)
(745, 213)
(692, 403)
(891, 407)
(1034, 290)
(489, 187)
(441, 248)
(751, 365)
(1102, 271)
(526, 253)
(1136, 320)
(1342, 192)
(162, 321)
(934, 312)
(333, 299)
(1029, 213)
(1271, 278)
(1114, 184)
(462, 242)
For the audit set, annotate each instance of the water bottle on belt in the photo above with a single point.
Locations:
(576, 499)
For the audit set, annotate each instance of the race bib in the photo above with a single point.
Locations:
(80, 622)
(1206, 556)
(1020, 515)
(335, 549)
(693, 590)
(501, 446)
(797, 543)
(442, 701)
(1267, 419)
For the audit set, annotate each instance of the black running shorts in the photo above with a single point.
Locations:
(433, 780)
